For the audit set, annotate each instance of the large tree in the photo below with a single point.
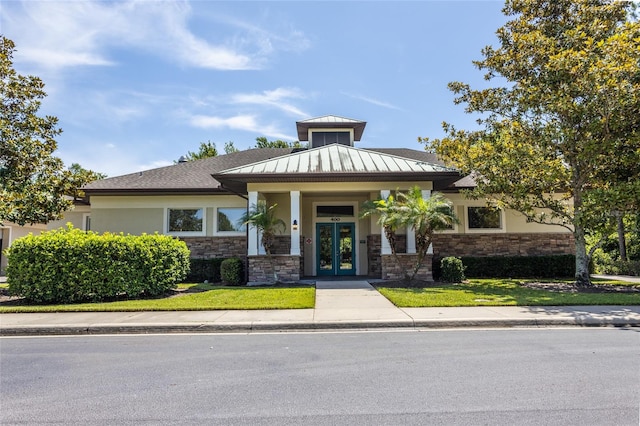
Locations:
(262, 142)
(566, 112)
(33, 181)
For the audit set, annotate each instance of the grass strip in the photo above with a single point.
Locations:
(213, 298)
(499, 292)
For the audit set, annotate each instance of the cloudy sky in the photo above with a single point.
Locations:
(137, 84)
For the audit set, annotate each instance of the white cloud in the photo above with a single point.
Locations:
(372, 101)
(276, 98)
(247, 123)
(64, 34)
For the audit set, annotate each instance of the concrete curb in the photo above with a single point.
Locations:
(102, 329)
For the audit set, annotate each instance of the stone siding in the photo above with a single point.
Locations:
(287, 267)
(216, 247)
(529, 244)
(392, 271)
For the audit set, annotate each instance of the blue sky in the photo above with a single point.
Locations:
(137, 84)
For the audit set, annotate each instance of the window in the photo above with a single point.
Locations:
(327, 138)
(484, 218)
(228, 218)
(186, 220)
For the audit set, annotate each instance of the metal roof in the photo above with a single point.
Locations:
(333, 163)
(330, 121)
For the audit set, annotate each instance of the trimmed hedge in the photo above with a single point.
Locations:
(452, 270)
(232, 271)
(551, 266)
(70, 265)
(204, 269)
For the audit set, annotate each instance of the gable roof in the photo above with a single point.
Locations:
(335, 163)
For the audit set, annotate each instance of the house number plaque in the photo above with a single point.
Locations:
(335, 219)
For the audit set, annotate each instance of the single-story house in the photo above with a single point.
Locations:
(319, 192)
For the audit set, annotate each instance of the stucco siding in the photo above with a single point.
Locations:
(133, 221)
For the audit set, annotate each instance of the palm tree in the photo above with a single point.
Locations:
(264, 218)
(388, 218)
(425, 216)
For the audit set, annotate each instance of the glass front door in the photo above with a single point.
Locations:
(335, 249)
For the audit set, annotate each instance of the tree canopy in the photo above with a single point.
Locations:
(33, 181)
(559, 139)
(262, 142)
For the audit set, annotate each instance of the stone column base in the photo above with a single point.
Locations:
(287, 267)
(392, 271)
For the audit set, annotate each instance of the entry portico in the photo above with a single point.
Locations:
(319, 192)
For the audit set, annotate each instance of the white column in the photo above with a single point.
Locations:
(295, 223)
(426, 193)
(385, 247)
(252, 233)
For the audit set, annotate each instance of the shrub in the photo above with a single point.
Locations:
(232, 271)
(70, 265)
(550, 266)
(204, 269)
(452, 270)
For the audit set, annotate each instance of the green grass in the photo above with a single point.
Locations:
(500, 292)
(208, 297)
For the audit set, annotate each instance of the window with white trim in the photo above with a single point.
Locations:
(484, 218)
(228, 219)
(185, 221)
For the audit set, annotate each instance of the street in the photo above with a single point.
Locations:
(466, 377)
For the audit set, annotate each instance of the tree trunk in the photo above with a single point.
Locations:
(622, 243)
(582, 259)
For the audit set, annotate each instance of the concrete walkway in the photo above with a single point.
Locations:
(339, 305)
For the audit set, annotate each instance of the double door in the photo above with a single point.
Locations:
(335, 249)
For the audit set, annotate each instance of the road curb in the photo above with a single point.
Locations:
(101, 329)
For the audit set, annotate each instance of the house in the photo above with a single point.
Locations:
(318, 191)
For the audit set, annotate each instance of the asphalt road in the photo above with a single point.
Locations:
(466, 377)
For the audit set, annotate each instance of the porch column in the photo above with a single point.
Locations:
(295, 223)
(426, 193)
(252, 232)
(385, 247)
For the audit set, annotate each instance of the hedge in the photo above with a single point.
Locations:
(204, 270)
(232, 271)
(550, 266)
(70, 265)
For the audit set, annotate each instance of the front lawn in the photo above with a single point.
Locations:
(501, 292)
(192, 297)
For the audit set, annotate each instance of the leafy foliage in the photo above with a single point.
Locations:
(560, 141)
(70, 265)
(262, 142)
(263, 217)
(204, 269)
(452, 270)
(32, 181)
(411, 210)
(80, 177)
(232, 271)
(206, 150)
(551, 266)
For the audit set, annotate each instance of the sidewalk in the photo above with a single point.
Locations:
(339, 305)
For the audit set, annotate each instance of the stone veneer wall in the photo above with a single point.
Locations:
(526, 244)
(392, 271)
(287, 267)
(216, 247)
(529, 244)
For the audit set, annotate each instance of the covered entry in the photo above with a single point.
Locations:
(335, 254)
